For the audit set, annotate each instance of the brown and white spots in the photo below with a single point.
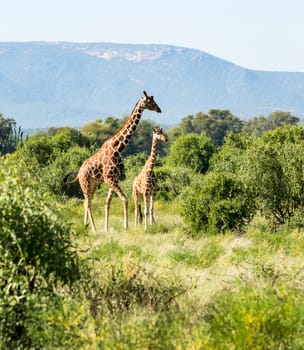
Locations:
(145, 183)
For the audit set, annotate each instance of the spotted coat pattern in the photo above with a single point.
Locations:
(106, 165)
(145, 183)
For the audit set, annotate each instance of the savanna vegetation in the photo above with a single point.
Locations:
(222, 267)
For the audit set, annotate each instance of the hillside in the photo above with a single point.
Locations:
(51, 84)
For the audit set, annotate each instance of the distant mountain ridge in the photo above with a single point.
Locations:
(46, 84)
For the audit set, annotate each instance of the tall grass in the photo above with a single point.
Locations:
(162, 289)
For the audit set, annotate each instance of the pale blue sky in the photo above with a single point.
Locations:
(257, 34)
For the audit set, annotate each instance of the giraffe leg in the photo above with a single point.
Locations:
(88, 213)
(125, 206)
(85, 211)
(124, 200)
(107, 208)
(114, 187)
(146, 209)
(151, 210)
(136, 206)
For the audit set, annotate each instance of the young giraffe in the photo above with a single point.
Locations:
(106, 165)
(145, 182)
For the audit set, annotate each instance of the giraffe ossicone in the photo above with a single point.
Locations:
(145, 183)
(106, 165)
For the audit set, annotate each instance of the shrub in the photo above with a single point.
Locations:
(66, 138)
(51, 158)
(216, 203)
(35, 253)
(272, 318)
(123, 287)
(171, 181)
(276, 165)
(192, 151)
(53, 175)
(36, 151)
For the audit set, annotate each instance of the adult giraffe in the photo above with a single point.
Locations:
(145, 182)
(106, 165)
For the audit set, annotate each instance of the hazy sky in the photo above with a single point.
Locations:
(257, 34)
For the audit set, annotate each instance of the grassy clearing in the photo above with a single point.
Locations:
(163, 289)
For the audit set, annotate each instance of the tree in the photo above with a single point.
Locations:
(233, 155)
(219, 123)
(174, 132)
(193, 151)
(37, 151)
(186, 125)
(98, 132)
(258, 125)
(276, 168)
(9, 135)
(67, 137)
(281, 118)
(223, 199)
(51, 158)
(216, 124)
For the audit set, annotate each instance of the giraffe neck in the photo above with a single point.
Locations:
(151, 160)
(122, 137)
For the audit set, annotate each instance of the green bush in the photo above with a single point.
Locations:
(192, 151)
(123, 287)
(53, 175)
(67, 137)
(36, 254)
(71, 326)
(118, 306)
(272, 318)
(171, 181)
(276, 165)
(36, 151)
(217, 202)
(50, 158)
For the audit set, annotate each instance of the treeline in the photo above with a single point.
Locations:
(215, 124)
(197, 142)
(233, 166)
(218, 122)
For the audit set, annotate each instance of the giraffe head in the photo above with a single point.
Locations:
(159, 135)
(149, 103)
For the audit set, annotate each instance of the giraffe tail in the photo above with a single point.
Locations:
(65, 179)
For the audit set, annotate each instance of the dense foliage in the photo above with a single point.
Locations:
(35, 253)
(215, 124)
(218, 202)
(249, 175)
(192, 151)
(277, 168)
(254, 319)
(258, 125)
